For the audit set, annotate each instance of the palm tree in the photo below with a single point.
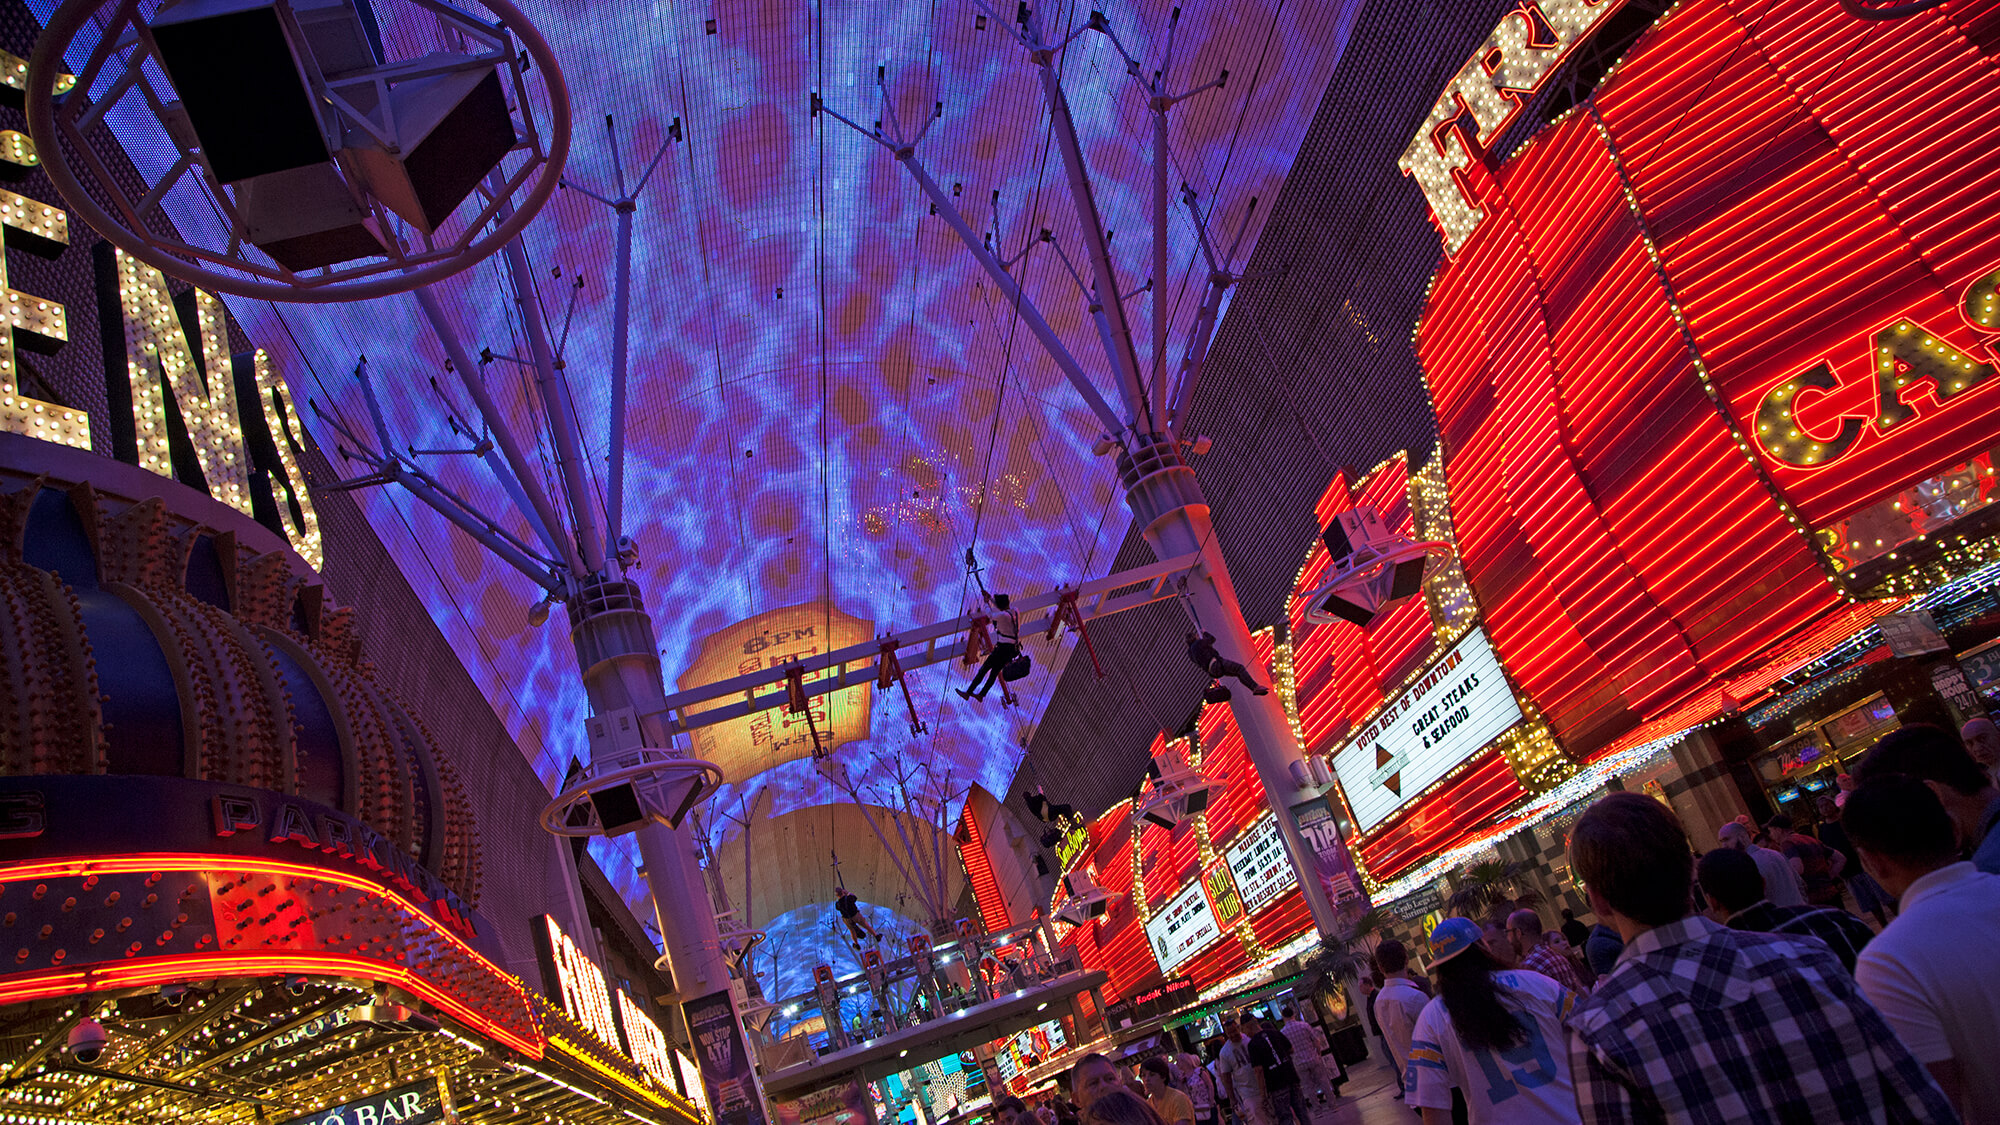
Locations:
(1484, 886)
(1349, 951)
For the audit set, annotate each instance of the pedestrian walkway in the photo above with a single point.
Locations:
(1368, 1098)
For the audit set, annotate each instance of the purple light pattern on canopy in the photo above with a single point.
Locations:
(828, 397)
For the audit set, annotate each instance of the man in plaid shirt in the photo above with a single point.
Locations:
(1701, 1023)
(1524, 929)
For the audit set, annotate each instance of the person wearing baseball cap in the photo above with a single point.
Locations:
(1494, 1033)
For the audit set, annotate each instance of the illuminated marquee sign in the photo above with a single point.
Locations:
(1816, 417)
(418, 1103)
(1263, 871)
(1182, 928)
(1459, 705)
(748, 746)
(1492, 86)
(579, 983)
(234, 409)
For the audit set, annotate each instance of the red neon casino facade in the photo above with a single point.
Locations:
(1712, 354)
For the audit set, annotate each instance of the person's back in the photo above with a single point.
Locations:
(1702, 1023)
(1508, 1061)
(1601, 949)
(1783, 885)
(1930, 971)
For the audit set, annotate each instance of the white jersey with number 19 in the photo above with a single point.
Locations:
(1528, 1084)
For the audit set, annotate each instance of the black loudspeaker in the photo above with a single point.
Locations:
(304, 218)
(618, 809)
(1409, 579)
(1347, 611)
(450, 131)
(1196, 801)
(240, 84)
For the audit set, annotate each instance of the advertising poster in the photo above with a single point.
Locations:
(1263, 871)
(1182, 927)
(1330, 856)
(1458, 707)
(724, 1059)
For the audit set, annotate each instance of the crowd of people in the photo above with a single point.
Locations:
(1734, 985)
(1260, 1071)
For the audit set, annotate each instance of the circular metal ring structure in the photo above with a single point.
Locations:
(555, 816)
(1363, 565)
(125, 63)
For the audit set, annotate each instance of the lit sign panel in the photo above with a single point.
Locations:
(209, 386)
(748, 746)
(418, 1103)
(1492, 86)
(648, 1043)
(579, 984)
(1461, 703)
(1263, 871)
(1182, 928)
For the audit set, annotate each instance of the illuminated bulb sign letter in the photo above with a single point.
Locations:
(42, 228)
(207, 383)
(1513, 63)
(579, 984)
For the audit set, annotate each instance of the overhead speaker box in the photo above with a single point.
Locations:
(619, 809)
(446, 133)
(245, 94)
(305, 218)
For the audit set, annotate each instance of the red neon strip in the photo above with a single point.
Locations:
(161, 970)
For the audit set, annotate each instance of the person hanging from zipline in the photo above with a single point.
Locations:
(1006, 646)
(1201, 650)
(849, 907)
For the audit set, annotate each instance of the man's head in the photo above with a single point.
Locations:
(1498, 942)
(1900, 828)
(1156, 1074)
(1734, 835)
(1392, 957)
(1829, 809)
(1730, 879)
(1291, 1013)
(1934, 756)
(1982, 741)
(1193, 636)
(1092, 1078)
(1524, 931)
(1630, 852)
(1000, 601)
(1569, 915)
(1232, 1030)
(1010, 1111)
(1780, 829)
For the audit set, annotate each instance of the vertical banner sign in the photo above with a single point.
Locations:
(724, 1059)
(1331, 859)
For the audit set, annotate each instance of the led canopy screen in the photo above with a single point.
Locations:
(1459, 704)
(1182, 928)
(1262, 870)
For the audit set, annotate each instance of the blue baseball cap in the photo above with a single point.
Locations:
(1452, 937)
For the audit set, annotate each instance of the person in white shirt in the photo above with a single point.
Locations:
(1399, 1002)
(1783, 885)
(1495, 1034)
(1308, 1054)
(1006, 646)
(1929, 972)
(1232, 1065)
